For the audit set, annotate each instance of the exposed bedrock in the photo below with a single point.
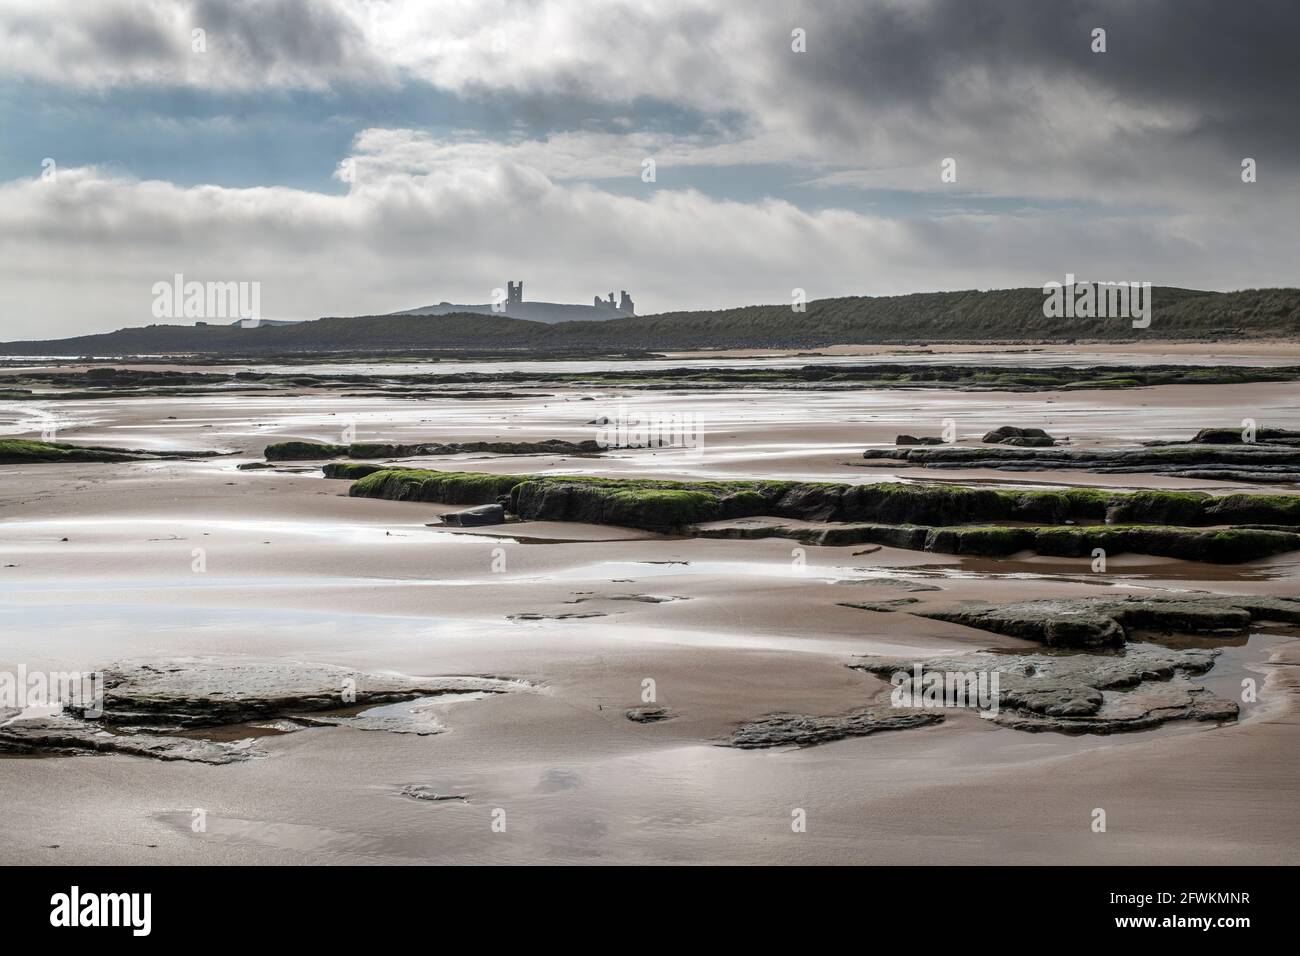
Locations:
(475, 517)
(22, 451)
(1138, 689)
(943, 519)
(315, 451)
(648, 715)
(1273, 457)
(1099, 622)
(1235, 436)
(655, 504)
(146, 708)
(914, 440)
(1218, 546)
(800, 730)
(1026, 437)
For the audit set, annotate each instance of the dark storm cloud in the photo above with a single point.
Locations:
(294, 31)
(1233, 66)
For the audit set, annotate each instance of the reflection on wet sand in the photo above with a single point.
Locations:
(98, 565)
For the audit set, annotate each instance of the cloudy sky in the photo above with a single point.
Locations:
(361, 156)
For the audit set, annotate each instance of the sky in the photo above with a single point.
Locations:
(365, 156)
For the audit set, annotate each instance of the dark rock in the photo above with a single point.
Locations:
(421, 791)
(913, 440)
(147, 707)
(1071, 541)
(883, 606)
(648, 715)
(782, 730)
(1096, 622)
(1235, 436)
(314, 451)
(1010, 435)
(1276, 463)
(475, 517)
(1082, 693)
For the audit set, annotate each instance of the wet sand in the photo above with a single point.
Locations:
(738, 629)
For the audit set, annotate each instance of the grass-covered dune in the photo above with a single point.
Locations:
(967, 316)
(22, 451)
(946, 519)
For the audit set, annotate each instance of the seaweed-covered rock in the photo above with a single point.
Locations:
(1277, 462)
(349, 470)
(314, 451)
(955, 519)
(22, 451)
(649, 505)
(1226, 546)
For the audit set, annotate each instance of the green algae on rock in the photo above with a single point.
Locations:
(21, 451)
(315, 451)
(946, 519)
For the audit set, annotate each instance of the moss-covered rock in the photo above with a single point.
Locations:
(350, 470)
(1214, 546)
(302, 451)
(314, 451)
(21, 451)
(951, 519)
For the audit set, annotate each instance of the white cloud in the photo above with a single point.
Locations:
(83, 252)
(887, 89)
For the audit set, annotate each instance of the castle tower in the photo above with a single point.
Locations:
(514, 293)
(625, 304)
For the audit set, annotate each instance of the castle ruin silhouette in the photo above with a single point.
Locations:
(515, 307)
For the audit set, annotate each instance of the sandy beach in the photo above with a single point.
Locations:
(101, 563)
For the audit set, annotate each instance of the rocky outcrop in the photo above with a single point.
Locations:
(426, 793)
(1025, 437)
(1110, 622)
(648, 715)
(945, 519)
(351, 470)
(315, 451)
(1079, 693)
(478, 517)
(1229, 546)
(1213, 454)
(799, 730)
(155, 710)
(646, 503)
(913, 440)
(1236, 436)
(22, 451)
